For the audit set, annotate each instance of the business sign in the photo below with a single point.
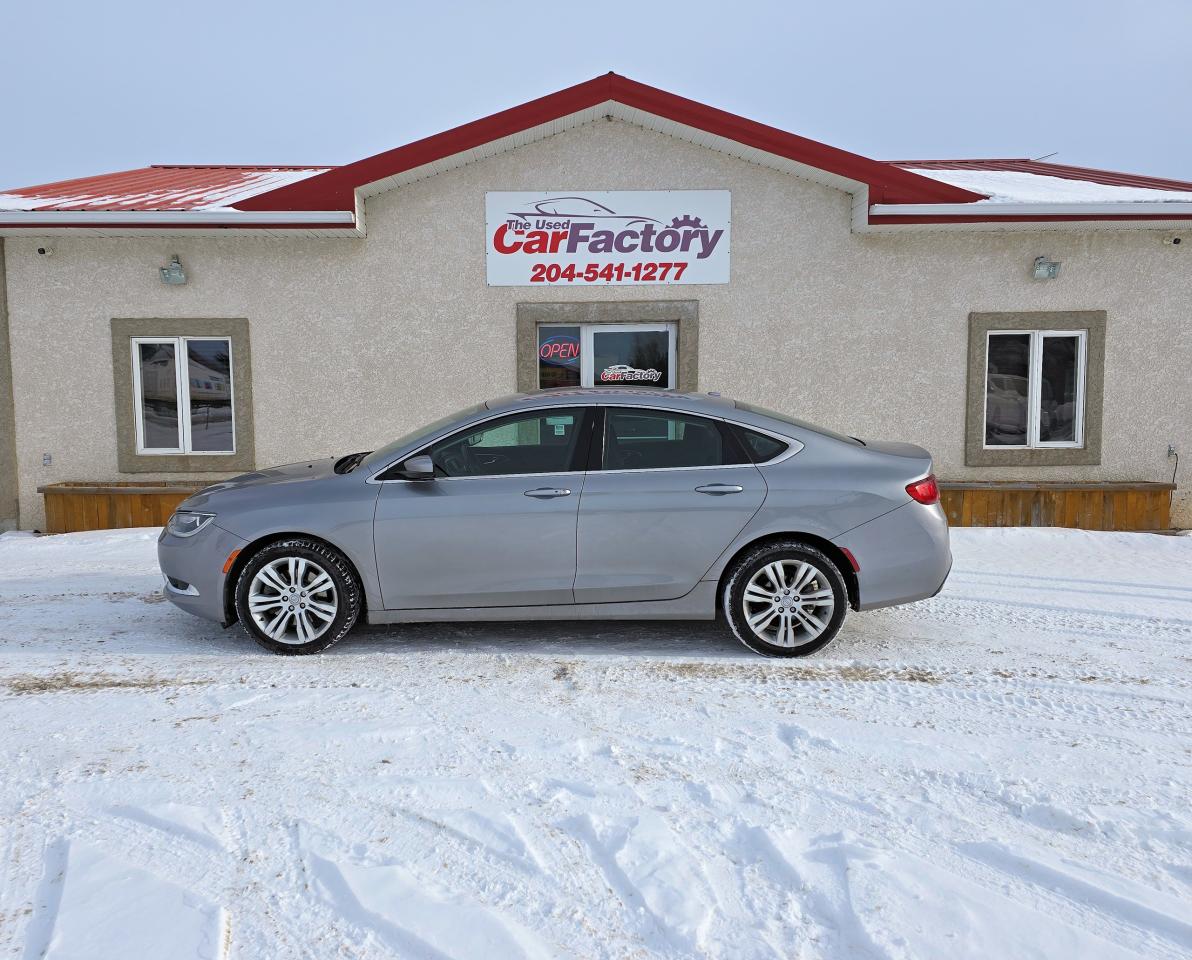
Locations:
(561, 350)
(589, 238)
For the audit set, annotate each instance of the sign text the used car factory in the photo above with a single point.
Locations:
(585, 237)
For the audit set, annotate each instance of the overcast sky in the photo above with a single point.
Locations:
(93, 87)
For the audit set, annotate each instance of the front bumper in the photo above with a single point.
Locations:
(193, 568)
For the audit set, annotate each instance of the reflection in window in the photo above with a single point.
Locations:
(1057, 382)
(1034, 389)
(649, 440)
(159, 395)
(188, 414)
(640, 358)
(210, 365)
(761, 446)
(558, 357)
(546, 441)
(1007, 392)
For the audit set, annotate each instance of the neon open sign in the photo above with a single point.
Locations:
(563, 351)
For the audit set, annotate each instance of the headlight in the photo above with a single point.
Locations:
(186, 524)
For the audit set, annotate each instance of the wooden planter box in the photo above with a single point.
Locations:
(75, 506)
(1087, 506)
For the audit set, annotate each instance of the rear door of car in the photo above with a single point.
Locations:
(497, 525)
(667, 493)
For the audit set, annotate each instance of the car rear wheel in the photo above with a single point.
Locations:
(297, 596)
(785, 599)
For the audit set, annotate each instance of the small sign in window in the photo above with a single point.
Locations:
(640, 358)
(558, 357)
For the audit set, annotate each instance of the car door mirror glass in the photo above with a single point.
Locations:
(418, 468)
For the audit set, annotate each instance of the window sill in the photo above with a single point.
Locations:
(982, 456)
(185, 462)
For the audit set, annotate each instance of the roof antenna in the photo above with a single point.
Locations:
(1044, 157)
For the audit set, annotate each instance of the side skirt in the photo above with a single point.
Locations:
(699, 604)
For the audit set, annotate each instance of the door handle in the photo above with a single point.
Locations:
(719, 489)
(548, 493)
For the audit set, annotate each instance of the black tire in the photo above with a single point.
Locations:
(827, 577)
(346, 595)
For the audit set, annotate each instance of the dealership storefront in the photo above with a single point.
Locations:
(1024, 321)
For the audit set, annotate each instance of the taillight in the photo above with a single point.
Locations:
(925, 490)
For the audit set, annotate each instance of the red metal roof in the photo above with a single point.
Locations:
(335, 190)
(1043, 169)
(159, 187)
(329, 192)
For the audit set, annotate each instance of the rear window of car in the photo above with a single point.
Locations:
(795, 422)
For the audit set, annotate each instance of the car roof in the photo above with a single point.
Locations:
(712, 403)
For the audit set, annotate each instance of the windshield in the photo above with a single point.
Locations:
(795, 422)
(379, 458)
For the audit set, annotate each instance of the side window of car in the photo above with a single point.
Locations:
(762, 447)
(656, 440)
(545, 441)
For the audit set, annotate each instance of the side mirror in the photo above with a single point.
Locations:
(418, 468)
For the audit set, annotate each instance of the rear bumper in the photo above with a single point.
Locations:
(904, 555)
(193, 568)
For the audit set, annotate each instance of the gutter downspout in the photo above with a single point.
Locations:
(9, 501)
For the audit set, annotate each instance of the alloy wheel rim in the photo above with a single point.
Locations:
(788, 603)
(293, 600)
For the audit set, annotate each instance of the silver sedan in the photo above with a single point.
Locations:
(570, 504)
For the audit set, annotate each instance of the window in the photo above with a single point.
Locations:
(761, 446)
(558, 357)
(386, 453)
(546, 441)
(1034, 388)
(795, 422)
(572, 344)
(629, 354)
(607, 354)
(656, 439)
(183, 398)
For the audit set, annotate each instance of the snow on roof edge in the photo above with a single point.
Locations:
(1018, 186)
(175, 188)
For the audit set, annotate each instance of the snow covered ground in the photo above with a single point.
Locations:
(1004, 771)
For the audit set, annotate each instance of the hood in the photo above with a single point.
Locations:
(286, 474)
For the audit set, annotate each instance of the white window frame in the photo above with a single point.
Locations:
(587, 371)
(1035, 387)
(182, 393)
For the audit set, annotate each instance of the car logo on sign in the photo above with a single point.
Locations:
(623, 373)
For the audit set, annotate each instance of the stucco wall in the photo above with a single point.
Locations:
(355, 341)
(8, 442)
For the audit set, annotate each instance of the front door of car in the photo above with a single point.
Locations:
(496, 526)
(672, 493)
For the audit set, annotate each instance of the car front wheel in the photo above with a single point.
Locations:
(297, 596)
(785, 599)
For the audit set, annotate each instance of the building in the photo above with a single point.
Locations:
(1025, 321)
